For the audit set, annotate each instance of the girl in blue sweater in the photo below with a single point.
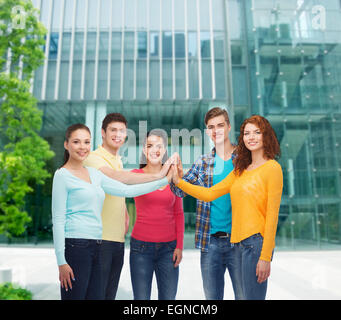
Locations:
(78, 193)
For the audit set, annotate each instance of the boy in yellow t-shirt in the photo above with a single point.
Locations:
(115, 218)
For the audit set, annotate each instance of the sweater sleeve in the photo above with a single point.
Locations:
(179, 222)
(119, 189)
(59, 199)
(208, 194)
(274, 190)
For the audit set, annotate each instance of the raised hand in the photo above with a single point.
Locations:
(174, 159)
(166, 166)
(170, 174)
(175, 174)
(179, 167)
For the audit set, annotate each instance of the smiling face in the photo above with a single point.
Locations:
(253, 137)
(78, 144)
(114, 136)
(154, 149)
(218, 129)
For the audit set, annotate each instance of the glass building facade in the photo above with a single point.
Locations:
(167, 62)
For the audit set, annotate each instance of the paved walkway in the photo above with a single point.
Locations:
(299, 275)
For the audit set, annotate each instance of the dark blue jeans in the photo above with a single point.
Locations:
(147, 258)
(82, 255)
(112, 258)
(220, 255)
(250, 250)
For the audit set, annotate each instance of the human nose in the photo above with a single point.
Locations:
(155, 149)
(83, 145)
(214, 130)
(251, 136)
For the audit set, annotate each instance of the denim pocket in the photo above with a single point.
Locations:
(253, 243)
(137, 246)
(171, 245)
(77, 243)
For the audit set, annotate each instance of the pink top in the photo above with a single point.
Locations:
(159, 217)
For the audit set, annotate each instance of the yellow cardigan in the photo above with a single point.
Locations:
(255, 198)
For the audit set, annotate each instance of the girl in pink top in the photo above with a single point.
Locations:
(157, 237)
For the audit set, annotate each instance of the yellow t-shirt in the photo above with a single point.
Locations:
(113, 212)
(255, 199)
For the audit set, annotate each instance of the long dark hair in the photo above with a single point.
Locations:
(68, 134)
(159, 133)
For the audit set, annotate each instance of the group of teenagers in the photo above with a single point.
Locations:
(238, 190)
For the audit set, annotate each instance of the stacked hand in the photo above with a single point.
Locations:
(174, 167)
(174, 171)
(167, 165)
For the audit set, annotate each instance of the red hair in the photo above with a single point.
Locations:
(270, 143)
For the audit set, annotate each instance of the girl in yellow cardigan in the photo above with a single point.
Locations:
(255, 186)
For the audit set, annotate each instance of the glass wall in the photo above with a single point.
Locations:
(166, 62)
(293, 53)
(133, 50)
(161, 63)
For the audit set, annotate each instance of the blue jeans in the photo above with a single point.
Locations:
(112, 258)
(250, 249)
(82, 255)
(220, 255)
(147, 258)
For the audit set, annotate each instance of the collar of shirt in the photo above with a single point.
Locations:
(108, 154)
(213, 153)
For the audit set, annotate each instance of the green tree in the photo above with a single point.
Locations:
(23, 152)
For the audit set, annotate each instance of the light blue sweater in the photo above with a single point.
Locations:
(77, 204)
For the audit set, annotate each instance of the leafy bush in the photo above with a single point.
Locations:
(10, 292)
